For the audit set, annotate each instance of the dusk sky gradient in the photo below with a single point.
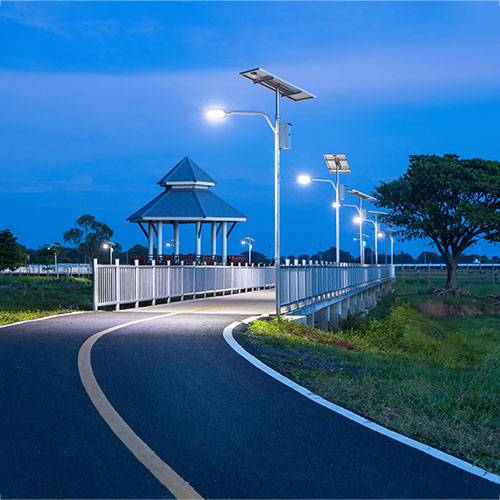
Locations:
(99, 100)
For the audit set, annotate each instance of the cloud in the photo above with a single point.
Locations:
(35, 17)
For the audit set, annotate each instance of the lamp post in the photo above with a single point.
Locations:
(336, 164)
(361, 218)
(110, 245)
(392, 244)
(282, 140)
(248, 241)
(378, 234)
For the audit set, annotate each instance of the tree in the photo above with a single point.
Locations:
(403, 258)
(452, 201)
(45, 255)
(257, 257)
(89, 236)
(429, 257)
(11, 255)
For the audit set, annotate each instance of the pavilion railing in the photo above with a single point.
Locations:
(132, 284)
(209, 260)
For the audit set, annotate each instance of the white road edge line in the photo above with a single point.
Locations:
(429, 450)
(142, 452)
(52, 316)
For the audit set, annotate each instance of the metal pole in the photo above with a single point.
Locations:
(337, 219)
(361, 249)
(392, 250)
(385, 243)
(110, 254)
(250, 253)
(277, 254)
(376, 239)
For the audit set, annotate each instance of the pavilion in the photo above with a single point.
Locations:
(187, 199)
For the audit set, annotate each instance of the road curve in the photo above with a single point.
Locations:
(228, 429)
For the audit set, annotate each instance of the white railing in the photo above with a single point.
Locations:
(304, 284)
(131, 284)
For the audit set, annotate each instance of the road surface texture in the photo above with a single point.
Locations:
(223, 426)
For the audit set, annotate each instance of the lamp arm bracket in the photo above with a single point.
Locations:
(253, 113)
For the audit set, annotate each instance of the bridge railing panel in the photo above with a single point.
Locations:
(132, 284)
(304, 284)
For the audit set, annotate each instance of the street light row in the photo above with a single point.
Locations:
(336, 163)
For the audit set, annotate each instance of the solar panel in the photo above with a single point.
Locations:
(339, 162)
(268, 80)
(355, 192)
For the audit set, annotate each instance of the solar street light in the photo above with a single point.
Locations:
(249, 241)
(367, 197)
(282, 138)
(110, 245)
(337, 164)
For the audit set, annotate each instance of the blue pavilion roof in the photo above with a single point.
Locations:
(186, 172)
(188, 198)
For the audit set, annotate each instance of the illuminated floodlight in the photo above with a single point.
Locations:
(105, 245)
(380, 235)
(272, 82)
(335, 204)
(337, 163)
(216, 113)
(304, 179)
(357, 219)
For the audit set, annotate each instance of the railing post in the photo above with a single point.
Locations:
(182, 279)
(137, 288)
(153, 272)
(169, 277)
(117, 284)
(96, 285)
(205, 279)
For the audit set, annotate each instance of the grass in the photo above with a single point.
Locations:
(435, 380)
(29, 297)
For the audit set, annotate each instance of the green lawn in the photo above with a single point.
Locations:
(433, 379)
(29, 297)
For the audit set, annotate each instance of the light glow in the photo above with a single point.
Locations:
(216, 113)
(335, 204)
(105, 245)
(304, 179)
(357, 219)
(380, 235)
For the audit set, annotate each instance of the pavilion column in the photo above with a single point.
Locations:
(160, 238)
(224, 243)
(214, 239)
(198, 238)
(176, 238)
(150, 240)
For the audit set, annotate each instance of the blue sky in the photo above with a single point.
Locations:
(99, 100)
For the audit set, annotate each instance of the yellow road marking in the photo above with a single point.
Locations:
(163, 472)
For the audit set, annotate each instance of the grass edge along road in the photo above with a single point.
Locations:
(434, 380)
(29, 297)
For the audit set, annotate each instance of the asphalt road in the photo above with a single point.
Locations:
(228, 429)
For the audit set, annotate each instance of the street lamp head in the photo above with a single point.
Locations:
(304, 179)
(335, 204)
(216, 113)
(380, 235)
(243, 242)
(106, 246)
(357, 219)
